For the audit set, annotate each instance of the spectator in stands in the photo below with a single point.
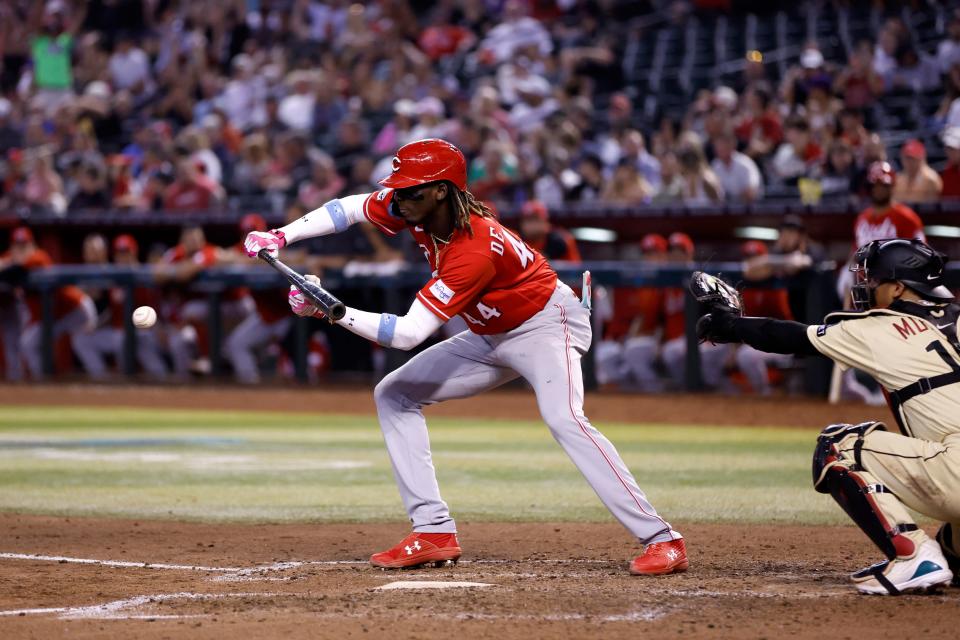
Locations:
(628, 351)
(192, 190)
(129, 65)
(43, 188)
(915, 71)
(397, 132)
(918, 182)
(737, 173)
(10, 135)
(432, 120)
(588, 182)
(534, 107)
(494, 171)
(324, 183)
(554, 243)
(516, 33)
(950, 176)
(627, 186)
(796, 157)
(948, 51)
(839, 171)
(812, 75)
(296, 109)
(633, 148)
(92, 193)
(253, 166)
(671, 182)
(759, 130)
(51, 47)
(700, 183)
(859, 84)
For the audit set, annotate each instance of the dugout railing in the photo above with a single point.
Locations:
(397, 290)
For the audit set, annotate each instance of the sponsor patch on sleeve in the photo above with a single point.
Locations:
(821, 330)
(442, 292)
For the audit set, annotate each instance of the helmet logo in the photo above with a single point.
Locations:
(396, 164)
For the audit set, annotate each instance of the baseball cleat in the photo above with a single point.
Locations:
(418, 549)
(926, 571)
(661, 558)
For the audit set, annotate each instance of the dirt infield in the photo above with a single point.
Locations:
(546, 581)
(508, 404)
(94, 578)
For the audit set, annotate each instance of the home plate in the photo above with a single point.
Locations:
(430, 584)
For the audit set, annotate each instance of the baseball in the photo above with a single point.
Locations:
(144, 317)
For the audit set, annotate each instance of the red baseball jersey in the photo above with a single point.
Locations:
(493, 280)
(675, 319)
(767, 303)
(66, 298)
(896, 221)
(640, 305)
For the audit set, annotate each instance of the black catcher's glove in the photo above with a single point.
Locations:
(723, 303)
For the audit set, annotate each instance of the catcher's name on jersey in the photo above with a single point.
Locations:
(901, 346)
(493, 280)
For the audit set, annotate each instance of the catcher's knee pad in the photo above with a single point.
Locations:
(857, 492)
(827, 451)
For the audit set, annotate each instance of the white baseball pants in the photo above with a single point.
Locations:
(545, 350)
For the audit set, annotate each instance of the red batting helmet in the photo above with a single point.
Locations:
(654, 243)
(125, 242)
(535, 209)
(252, 222)
(426, 161)
(753, 248)
(680, 240)
(881, 173)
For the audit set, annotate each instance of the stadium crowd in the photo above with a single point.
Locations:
(180, 107)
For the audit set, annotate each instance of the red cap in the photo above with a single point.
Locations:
(252, 222)
(680, 240)
(535, 209)
(654, 243)
(125, 242)
(426, 161)
(753, 248)
(881, 173)
(914, 149)
(21, 234)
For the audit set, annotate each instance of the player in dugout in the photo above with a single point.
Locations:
(523, 322)
(903, 332)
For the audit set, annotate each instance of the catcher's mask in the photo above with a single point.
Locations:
(911, 262)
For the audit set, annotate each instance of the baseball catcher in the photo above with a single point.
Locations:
(523, 322)
(903, 332)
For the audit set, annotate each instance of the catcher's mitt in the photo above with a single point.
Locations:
(723, 305)
(714, 293)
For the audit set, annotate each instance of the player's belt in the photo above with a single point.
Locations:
(924, 385)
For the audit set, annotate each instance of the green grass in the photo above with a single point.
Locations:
(215, 465)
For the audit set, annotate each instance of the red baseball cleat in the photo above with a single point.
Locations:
(661, 558)
(419, 549)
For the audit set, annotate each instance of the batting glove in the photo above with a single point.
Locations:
(300, 305)
(272, 241)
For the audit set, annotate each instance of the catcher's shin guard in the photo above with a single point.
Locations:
(869, 503)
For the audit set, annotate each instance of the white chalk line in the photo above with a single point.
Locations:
(116, 608)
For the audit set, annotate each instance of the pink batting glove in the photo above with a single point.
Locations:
(301, 306)
(272, 241)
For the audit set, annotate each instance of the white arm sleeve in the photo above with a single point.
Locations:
(388, 330)
(333, 217)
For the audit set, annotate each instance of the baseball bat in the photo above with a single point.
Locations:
(323, 299)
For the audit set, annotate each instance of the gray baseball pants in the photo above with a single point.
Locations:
(545, 350)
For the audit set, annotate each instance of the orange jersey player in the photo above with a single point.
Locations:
(73, 310)
(630, 344)
(523, 322)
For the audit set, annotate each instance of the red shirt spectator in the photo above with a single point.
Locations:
(951, 173)
(192, 191)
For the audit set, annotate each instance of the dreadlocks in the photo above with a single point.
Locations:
(464, 204)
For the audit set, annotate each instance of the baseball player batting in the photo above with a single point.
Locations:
(903, 332)
(523, 322)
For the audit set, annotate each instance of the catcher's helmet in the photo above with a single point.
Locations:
(911, 262)
(427, 161)
(881, 173)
